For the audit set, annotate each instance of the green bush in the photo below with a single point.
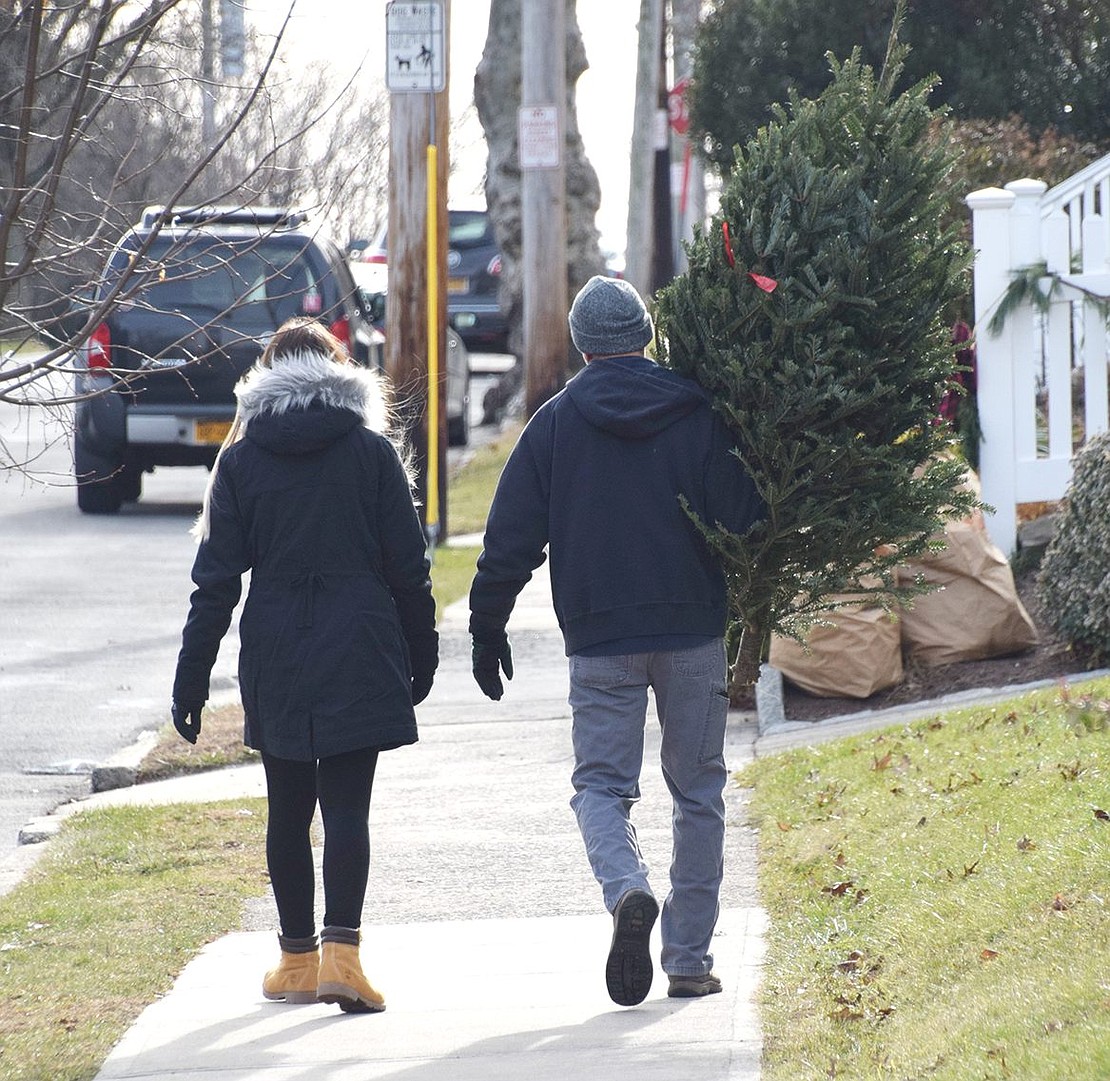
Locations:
(1074, 580)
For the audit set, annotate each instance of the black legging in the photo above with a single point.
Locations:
(342, 785)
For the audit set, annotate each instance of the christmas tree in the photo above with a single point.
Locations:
(815, 311)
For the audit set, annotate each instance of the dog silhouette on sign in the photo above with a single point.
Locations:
(402, 63)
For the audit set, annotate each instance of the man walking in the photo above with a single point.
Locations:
(606, 476)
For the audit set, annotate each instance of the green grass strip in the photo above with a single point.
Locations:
(939, 897)
(113, 912)
(470, 490)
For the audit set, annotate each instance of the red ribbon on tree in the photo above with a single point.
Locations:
(728, 245)
(768, 285)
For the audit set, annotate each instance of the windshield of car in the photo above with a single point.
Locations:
(469, 229)
(225, 275)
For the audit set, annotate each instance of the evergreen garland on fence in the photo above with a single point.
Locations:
(813, 310)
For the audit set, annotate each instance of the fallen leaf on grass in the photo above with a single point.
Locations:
(988, 955)
(1102, 815)
(969, 869)
(1061, 904)
(786, 827)
(1026, 845)
(851, 962)
(838, 889)
(881, 763)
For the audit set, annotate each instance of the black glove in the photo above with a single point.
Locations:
(186, 719)
(421, 685)
(489, 657)
(424, 659)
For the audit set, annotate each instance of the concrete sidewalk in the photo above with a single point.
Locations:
(483, 926)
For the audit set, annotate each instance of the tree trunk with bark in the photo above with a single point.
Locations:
(497, 94)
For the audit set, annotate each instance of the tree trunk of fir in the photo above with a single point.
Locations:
(751, 652)
(497, 94)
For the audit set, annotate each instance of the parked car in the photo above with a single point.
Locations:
(473, 279)
(200, 292)
(371, 280)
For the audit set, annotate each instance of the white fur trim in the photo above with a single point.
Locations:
(298, 379)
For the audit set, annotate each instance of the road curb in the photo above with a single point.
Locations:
(121, 769)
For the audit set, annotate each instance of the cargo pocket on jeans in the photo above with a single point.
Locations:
(713, 737)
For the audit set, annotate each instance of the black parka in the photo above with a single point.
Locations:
(318, 507)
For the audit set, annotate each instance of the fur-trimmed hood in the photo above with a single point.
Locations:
(296, 381)
(301, 405)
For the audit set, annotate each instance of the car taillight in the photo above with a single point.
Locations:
(341, 328)
(494, 268)
(98, 349)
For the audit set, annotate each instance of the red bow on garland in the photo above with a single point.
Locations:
(768, 285)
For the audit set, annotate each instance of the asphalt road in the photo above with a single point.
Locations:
(91, 609)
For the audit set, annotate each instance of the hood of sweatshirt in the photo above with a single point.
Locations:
(633, 397)
(307, 401)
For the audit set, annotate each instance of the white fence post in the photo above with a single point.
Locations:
(1096, 259)
(990, 209)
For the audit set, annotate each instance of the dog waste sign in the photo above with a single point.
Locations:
(415, 47)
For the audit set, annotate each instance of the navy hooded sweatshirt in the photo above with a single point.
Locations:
(597, 478)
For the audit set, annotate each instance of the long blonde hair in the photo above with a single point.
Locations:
(301, 334)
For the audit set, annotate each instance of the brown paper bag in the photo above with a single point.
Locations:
(976, 614)
(857, 654)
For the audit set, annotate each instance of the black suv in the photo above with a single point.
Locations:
(199, 292)
(473, 279)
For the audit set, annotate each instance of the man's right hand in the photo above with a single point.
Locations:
(490, 657)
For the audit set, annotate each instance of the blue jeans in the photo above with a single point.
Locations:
(608, 699)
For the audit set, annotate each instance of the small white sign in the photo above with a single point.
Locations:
(415, 58)
(538, 134)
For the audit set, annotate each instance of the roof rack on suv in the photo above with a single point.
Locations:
(223, 215)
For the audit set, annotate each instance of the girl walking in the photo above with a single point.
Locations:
(337, 636)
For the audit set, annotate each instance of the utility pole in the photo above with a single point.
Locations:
(207, 73)
(662, 232)
(638, 255)
(690, 198)
(416, 332)
(541, 133)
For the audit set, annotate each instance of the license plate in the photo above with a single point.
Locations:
(458, 285)
(211, 431)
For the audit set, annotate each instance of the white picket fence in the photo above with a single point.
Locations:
(1028, 372)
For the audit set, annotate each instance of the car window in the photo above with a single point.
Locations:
(468, 230)
(222, 276)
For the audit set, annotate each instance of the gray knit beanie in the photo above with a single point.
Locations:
(608, 318)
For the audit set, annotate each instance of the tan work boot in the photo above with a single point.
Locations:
(341, 979)
(294, 980)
